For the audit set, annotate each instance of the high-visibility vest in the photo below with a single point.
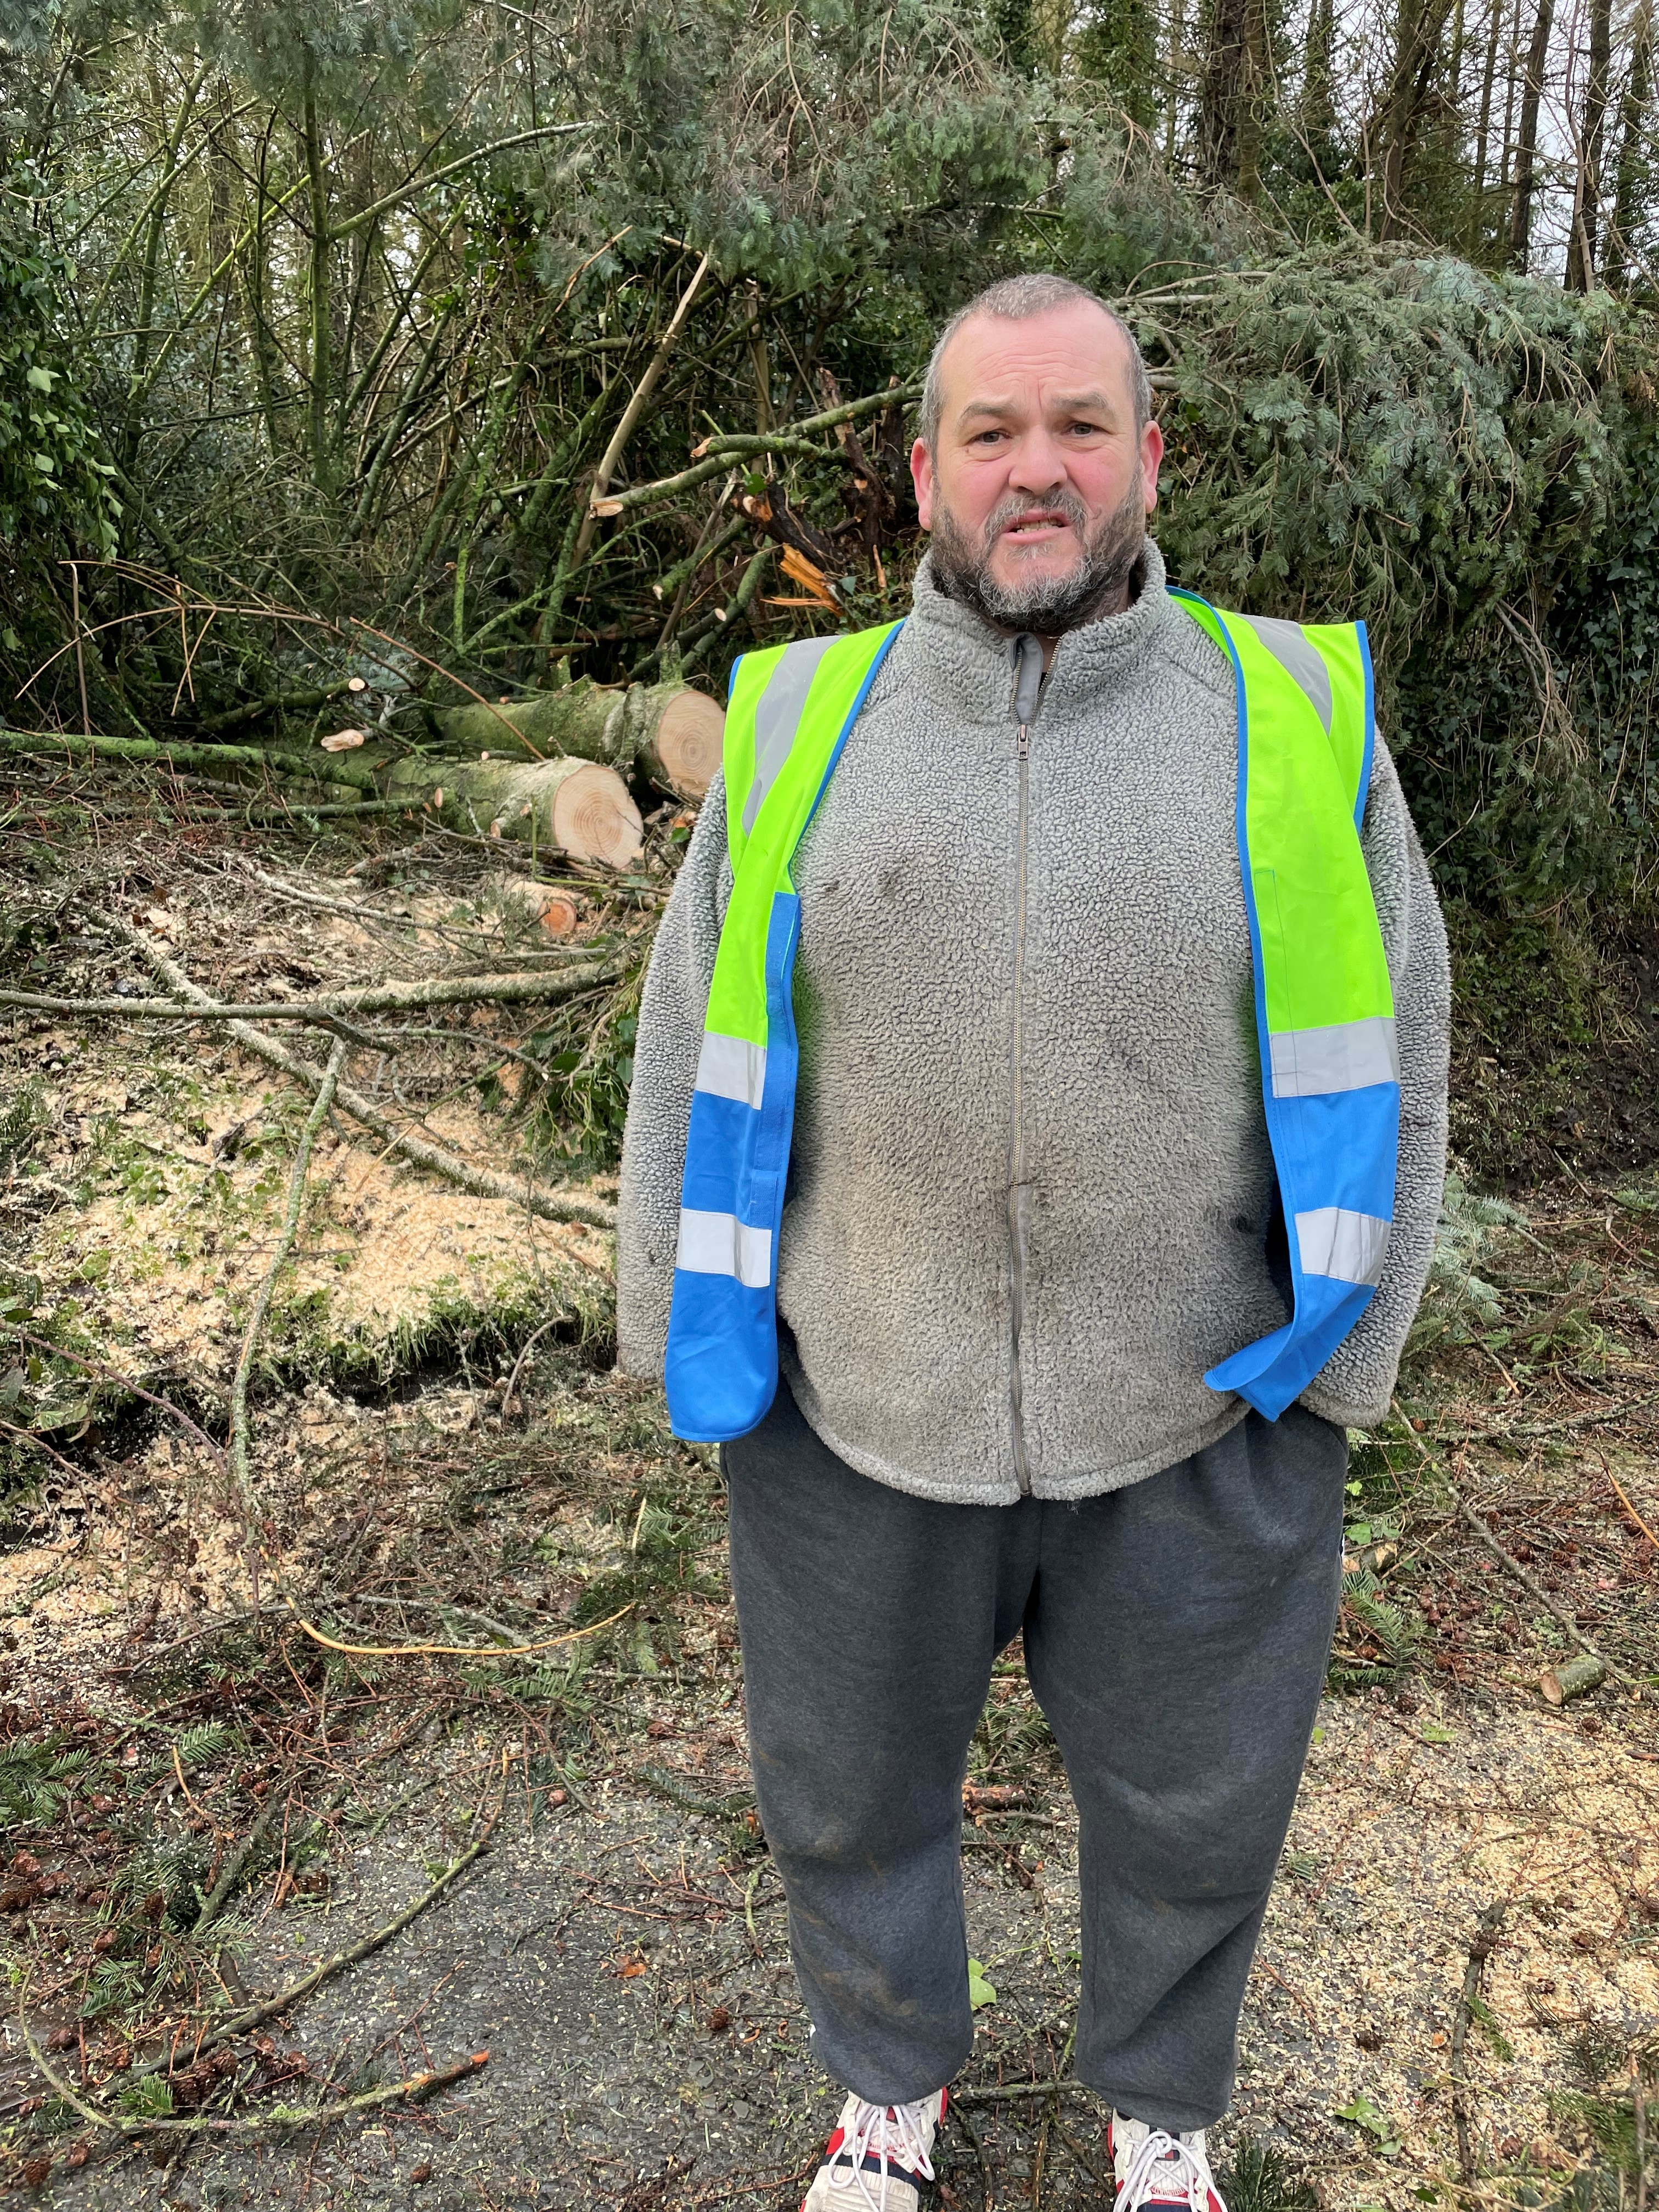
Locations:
(1323, 1000)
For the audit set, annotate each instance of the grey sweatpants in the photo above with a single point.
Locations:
(1176, 1634)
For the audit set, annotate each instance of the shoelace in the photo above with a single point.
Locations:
(1185, 2168)
(890, 2131)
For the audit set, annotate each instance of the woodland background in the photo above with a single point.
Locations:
(387, 382)
(320, 326)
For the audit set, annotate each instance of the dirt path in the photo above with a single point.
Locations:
(431, 1470)
(592, 1949)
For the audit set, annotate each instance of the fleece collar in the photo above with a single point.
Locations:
(968, 666)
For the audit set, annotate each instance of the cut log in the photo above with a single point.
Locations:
(527, 900)
(575, 806)
(1570, 1678)
(682, 753)
(666, 733)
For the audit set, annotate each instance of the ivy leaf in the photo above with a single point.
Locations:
(980, 1991)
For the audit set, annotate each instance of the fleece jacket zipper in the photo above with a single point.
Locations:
(1027, 656)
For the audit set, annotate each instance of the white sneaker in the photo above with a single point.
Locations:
(1152, 2167)
(878, 2158)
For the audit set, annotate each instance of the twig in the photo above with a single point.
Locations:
(262, 2123)
(179, 1769)
(384, 997)
(1538, 1590)
(256, 1320)
(1629, 1508)
(1020, 2092)
(965, 2123)
(528, 1346)
(230, 1872)
(108, 1374)
(255, 2015)
(479, 1181)
(1481, 1947)
(632, 412)
(1544, 1428)
(453, 1650)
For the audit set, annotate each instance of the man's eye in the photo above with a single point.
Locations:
(1085, 429)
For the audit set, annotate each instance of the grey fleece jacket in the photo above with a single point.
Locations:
(1030, 1185)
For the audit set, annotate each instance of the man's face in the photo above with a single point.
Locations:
(1038, 491)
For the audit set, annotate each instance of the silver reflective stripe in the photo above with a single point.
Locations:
(1347, 1247)
(1295, 651)
(732, 1067)
(777, 717)
(721, 1244)
(1346, 1056)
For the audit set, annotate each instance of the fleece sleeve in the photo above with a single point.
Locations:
(1356, 1384)
(665, 1052)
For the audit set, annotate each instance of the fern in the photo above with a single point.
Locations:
(149, 2097)
(1389, 1637)
(199, 1745)
(1460, 1301)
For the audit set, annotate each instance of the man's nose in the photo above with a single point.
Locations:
(1038, 465)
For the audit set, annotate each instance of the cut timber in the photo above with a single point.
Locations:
(554, 910)
(667, 732)
(1571, 1679)
(576, 806)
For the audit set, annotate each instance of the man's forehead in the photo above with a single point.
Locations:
(1075, 349)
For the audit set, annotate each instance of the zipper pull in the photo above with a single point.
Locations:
(1024, 746)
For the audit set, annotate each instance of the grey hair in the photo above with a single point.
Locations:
(1014, 300)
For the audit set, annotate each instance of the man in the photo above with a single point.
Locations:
(1072, 954)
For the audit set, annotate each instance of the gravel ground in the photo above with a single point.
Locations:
(589, 1951)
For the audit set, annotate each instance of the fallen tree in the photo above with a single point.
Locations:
(579, 806)
(571, 805)
(666, 733)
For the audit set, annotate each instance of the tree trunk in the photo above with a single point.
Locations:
(1318, 95)
(570, 805)
(1483, 133)
(1221, 99)
(669, 734)
(1421, 31)
(1253, 98)
(321, 305)
(1526, 150)
(1592, 146)
(1628, 208)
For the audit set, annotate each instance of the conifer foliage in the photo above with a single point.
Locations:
(505, 344)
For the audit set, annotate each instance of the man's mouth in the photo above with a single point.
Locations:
(1039, 524)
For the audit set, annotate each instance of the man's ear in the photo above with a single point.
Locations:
(921, 476)
(1152, 455)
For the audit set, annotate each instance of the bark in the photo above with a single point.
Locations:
(667, 732)
(1483, 132)
(1526, 151)
(1222, 96)
(319, 299)
(574, 806)
(1632, 132)
(1592, 146)
(1420, 31)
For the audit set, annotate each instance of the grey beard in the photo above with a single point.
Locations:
(1048, 606)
